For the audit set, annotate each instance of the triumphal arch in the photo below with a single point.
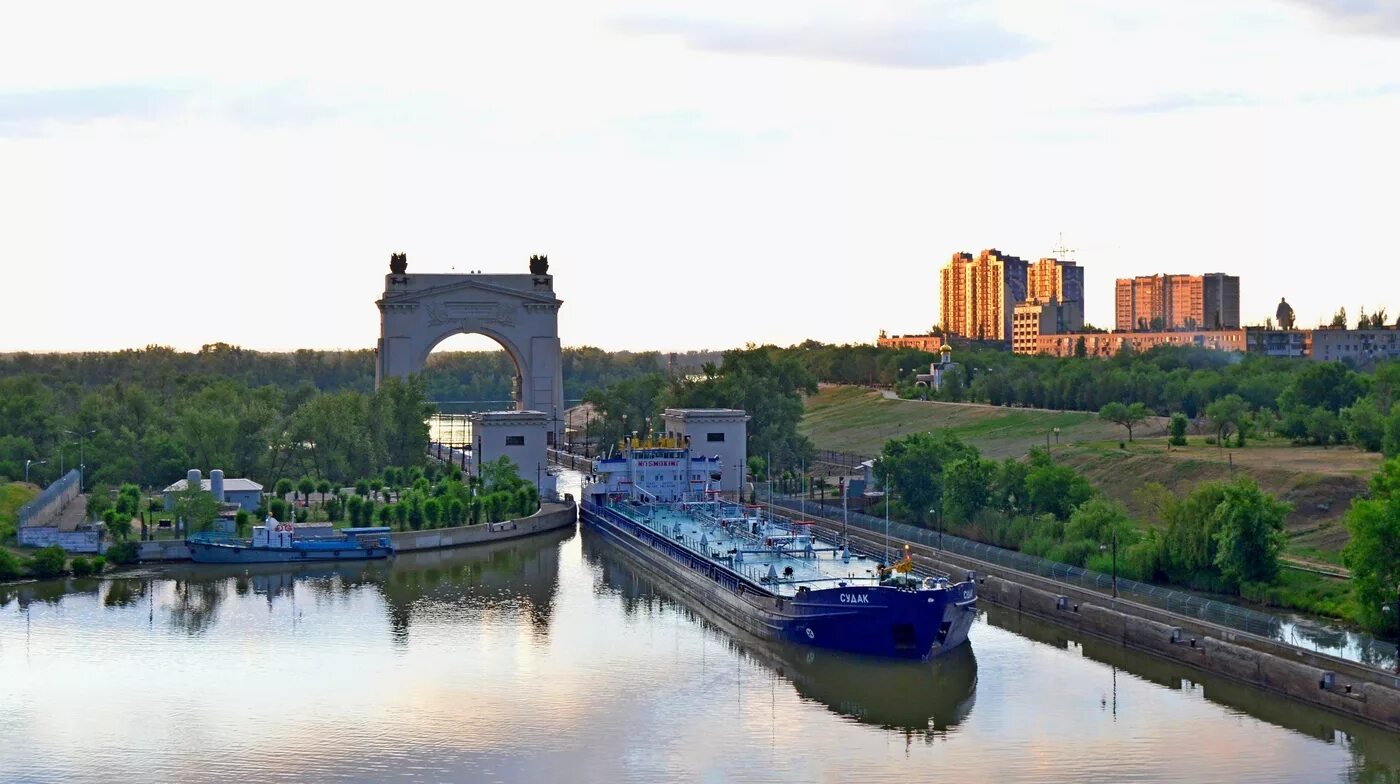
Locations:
(420, 310)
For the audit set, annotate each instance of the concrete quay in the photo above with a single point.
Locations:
(550, 517)
(1342, 686)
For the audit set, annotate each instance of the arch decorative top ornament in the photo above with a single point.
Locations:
(519, 311)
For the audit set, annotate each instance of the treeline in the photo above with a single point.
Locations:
(465, 375)
(1308, 402)
(765, 381)
(149, 432)
(1222, 537)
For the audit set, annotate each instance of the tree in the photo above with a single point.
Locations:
(283, 487)
(48, 562)
(1129, 416)
(1226, 414)
(1363, 425)
(306, 485)
(1249, 534)
(1323, 426)
(196, 507)
(1391, 445)
(967, 487)
(362, 487)
(432, 512)
(1177, 429)
(1056, 489)
(1339, 320)
(324, 488)
(1373, 553)
(1100, 520)
(913, 467)
(1081, 348)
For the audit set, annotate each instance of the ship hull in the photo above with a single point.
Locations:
(875, 621)
(206, 552)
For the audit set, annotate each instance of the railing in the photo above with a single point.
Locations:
(51, 500)
(1342, 644)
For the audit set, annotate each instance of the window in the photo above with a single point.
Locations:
(714, 437)
(515, 440)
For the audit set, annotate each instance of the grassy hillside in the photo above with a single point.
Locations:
(854, 419)
(13, 495)
(1319, 483)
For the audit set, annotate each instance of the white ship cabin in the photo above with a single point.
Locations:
(278, 533)
(657, 469)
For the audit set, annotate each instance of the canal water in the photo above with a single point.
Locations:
(555, 659)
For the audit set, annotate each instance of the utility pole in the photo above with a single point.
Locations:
(26, 468)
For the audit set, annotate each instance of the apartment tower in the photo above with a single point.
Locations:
(979, 294)
(1163, 302)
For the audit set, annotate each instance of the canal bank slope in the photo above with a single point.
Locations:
(550, 517)
(1343, 686)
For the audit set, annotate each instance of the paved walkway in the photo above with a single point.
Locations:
(73, 513)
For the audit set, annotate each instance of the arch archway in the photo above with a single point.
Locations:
(520, 312)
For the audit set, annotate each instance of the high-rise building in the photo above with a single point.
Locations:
(1190, 302)
(1053, 279)
(979, 294)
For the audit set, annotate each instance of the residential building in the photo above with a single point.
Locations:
(1169, 302)
(1355, 345)
(929, 343)
(978, 294)
(1032, 319)
(1279, 342)
(1053, 279)
(1106, 344)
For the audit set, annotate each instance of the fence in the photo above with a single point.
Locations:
(50, 501)
(1344, 645)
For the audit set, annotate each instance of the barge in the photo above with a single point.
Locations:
(772, 576)
(277, 543)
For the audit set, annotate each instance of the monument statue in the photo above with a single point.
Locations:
(398, 263)
(539, 265)
(1284, 315)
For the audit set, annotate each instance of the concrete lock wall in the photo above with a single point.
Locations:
(72, 541)
(1373, 695)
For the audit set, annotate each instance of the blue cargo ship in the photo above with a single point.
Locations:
(770, 575)
(279, 544)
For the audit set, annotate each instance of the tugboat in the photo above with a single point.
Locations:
(767, 574)
(279, 542)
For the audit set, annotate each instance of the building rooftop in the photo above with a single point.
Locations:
(704, 412)
(230, 486)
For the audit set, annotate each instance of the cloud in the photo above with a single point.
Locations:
(928, 38)
(1184, 102)
(28, 113)
(1369, 17)
(31, 110)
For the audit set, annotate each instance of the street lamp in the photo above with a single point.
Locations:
(1387, 608)
(82, 464)
(1115, 561)
(27, 463)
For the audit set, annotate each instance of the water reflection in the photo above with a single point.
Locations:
(919, 697)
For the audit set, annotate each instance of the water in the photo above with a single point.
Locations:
(555, 659)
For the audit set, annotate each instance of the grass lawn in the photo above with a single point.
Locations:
(855, 419)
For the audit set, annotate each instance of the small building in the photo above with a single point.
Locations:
(246, 493)
(933, 379)
(714, 432)
(522, 436)
(930, 343)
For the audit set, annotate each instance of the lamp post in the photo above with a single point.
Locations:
(27, 463)
(82, 463)
(1115, 561)
(1395, 608)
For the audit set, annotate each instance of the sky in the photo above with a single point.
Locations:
(701, 175)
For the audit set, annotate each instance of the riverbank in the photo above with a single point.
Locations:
(550, 517)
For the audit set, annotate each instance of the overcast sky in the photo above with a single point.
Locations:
(701, 175)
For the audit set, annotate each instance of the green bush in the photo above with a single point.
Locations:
(48, 562)
(123, 553)
(84, 566)
(10, 566)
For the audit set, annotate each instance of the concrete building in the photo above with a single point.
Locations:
(1106, 344)
(1032, 319)
(978, 294)
(1166, 302)
(1053, 280)
(246, 493)
(929, 343)
(714, 431)
(1355, 345)
(521, 436)
(1279, 342)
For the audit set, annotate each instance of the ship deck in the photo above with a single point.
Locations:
(704, 534)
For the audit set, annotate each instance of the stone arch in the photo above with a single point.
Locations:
(520, 312)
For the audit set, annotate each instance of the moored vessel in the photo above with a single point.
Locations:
(771, 575)
(277, 542)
